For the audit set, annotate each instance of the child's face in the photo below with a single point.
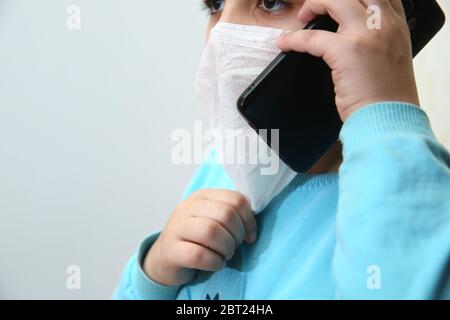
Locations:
(281, 14)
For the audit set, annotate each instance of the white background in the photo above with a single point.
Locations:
(85, 124)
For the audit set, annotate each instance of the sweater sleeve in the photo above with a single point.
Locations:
(136, 285)
(393, 218)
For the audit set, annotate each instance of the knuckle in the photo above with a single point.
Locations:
(240, 201)
(227, 215)
(195, 256)
(210, 231)
(310, 35)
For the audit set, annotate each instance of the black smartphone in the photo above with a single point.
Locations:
(295, 93)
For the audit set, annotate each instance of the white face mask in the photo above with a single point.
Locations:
(234, 57)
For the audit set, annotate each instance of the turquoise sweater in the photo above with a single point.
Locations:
(378, 229)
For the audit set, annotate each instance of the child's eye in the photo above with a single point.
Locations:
(214, 6)
(273, 5)
(270, 6)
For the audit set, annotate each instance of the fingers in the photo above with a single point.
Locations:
(238, 202)
(193, 256)
(348, 13)
(224, 214)
(209, 234)
(344, 12)
(314, 42)
(205, 231)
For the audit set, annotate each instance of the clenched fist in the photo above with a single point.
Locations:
(202, 234)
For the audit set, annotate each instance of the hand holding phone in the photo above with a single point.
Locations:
(307, 93)
(369, 62)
